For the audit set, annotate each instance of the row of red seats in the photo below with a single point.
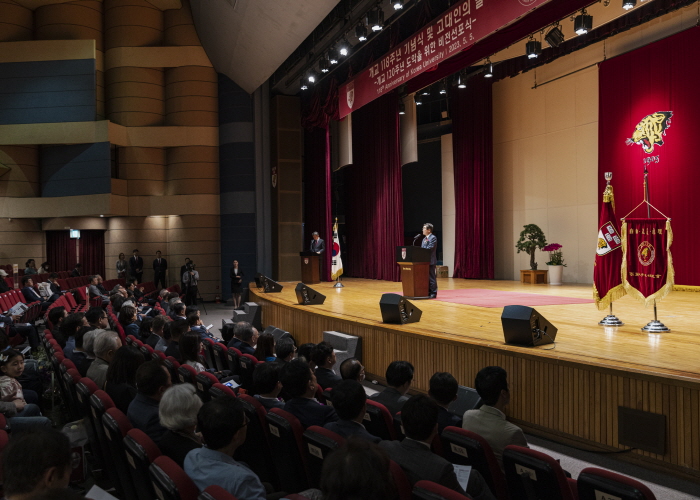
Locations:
(38, 278)
(9, 299)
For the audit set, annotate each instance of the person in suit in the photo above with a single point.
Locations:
(419, 418)
(430, 242)
(299, 383)
(317, 244)
(4, 287)
(323, 356)
(352, 369)
(178, 413)
(77, 270)
(152, 380)
(95, 292)
(177, 329)
(443, 390)
(30, 294)
(236, 281)
(350, 403)
(248, 336)
(160, 266)
(489, 421)
(136, 265)
(182, 272)
(267, 385)
(399, 376)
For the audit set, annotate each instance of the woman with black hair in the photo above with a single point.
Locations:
(121, 376)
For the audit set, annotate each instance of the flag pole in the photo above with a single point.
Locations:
(610, 319)
(338, 283)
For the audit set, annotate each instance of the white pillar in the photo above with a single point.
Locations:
(408, 128)
(345, 141)
(448, 204)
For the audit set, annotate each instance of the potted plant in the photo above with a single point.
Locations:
(556, 263)
(531, 238)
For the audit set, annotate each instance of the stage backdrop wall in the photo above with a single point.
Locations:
(661, 77)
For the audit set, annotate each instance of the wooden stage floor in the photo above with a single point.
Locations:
(570, 392)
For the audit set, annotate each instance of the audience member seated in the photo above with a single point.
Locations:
(489, 421)
(350, 402)
(20, 413)
(285, 349)
(121, 376)
(105, 346)
(177, 330)
(190, 347)
(94, 291)
(352, 369)
(248, 337)
(265, 348)
(36, 463)
(157, 338)
(79, 356)
(152, 380)
(55, 287)
(196, 325)
(56, 315)
(117, 301)
(101, 286)
(97, 317)
(145, 328)
(178, 414)
(223, 425)
(4, 287)
(419, 417)
(69, 327)
(323, 357)
(76, 272)
(358, 470)
(235, 341)
(27, 331)
(30, 267)
(299, 382)
(304, 351)
(179, 311)
(399, 376)
(267, 385)
(443, 390)
(30, 294)
(134, 290)
(127, 318)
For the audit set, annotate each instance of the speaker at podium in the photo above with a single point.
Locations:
(396, 309)
(307, 296)
(524, 326)
(268, 285)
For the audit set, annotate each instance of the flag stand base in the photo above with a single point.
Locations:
(611, 320)
(656, 326)
(338, 285)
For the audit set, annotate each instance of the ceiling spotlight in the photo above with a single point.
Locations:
(324, 65)
(533, 48)
(361, 32)
(303, 85)
(343, 48)
(418, 99)
(332, 56)
(488, 69)
(628, 4)
(375, 19)
(462, 79)
(402, 107)
(398, 4)
(554, 37)
(425, 91)
(443, 87)
(311, 78)
(583, 23)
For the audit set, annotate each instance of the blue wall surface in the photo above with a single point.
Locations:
(75, 170)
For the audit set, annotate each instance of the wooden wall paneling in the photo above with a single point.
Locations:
(23, 178)
(143, 169)
(148, 234)
(179, 26)
(132, 23)
(135, 96)
(22, 239)
(16, 22)
(193, 170)
(80, 20)
(191, 96)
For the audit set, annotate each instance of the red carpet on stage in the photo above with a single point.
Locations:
(481, 297)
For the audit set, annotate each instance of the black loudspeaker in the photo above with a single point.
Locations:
(268, 285)
(396, 309)
(522, 325)
(307, 296)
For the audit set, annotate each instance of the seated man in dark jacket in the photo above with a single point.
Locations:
(152, 380)
(248, 336)
(350, 402)
(443, 390)
(399, 376)
(300, 383)
(267, 385)
(30, 294)
(177, 329)
(323, 356)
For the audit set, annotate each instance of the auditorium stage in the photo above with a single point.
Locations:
(571, 392)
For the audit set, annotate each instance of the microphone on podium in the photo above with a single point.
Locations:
(416, 237)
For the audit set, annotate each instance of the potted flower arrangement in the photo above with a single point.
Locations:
(556, 263)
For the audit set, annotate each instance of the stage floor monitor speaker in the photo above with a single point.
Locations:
(396, 309)
(268, 285)
(308, 296)
(522, 325)
(277, 333)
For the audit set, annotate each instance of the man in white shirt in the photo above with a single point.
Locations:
(489, 421)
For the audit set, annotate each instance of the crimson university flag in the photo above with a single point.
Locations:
(607, 279)
(647, 267)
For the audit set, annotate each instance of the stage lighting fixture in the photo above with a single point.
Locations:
(554, 37)
(488, 69)
(533, 48)
(583, 23)
(361, 32)
(311, 78)
(375, 19)
(462, 80)
(418, 99)
(343, 48)
(398, 4)
(425, 91)
(628, 4)
(402, 107)
(303, 85)
(324, 65)
(443, 87)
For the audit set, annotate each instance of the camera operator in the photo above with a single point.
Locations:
(190, 278)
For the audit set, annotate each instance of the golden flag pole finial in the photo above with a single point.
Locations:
(608, 193)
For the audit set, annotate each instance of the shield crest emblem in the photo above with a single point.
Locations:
(350, 94)
(306, 260)
(403, 253)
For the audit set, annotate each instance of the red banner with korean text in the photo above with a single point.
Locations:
(458, 28)
(647, 266)
(607, 279)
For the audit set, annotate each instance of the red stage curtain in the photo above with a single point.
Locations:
(472, 142)
(60, 250)
(317, 192)
(92, 252)
(374, 218)
(662, 76)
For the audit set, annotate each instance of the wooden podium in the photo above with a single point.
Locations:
(310, 270)
(415, 264)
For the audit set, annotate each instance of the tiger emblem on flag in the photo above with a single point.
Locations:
(648, 132)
